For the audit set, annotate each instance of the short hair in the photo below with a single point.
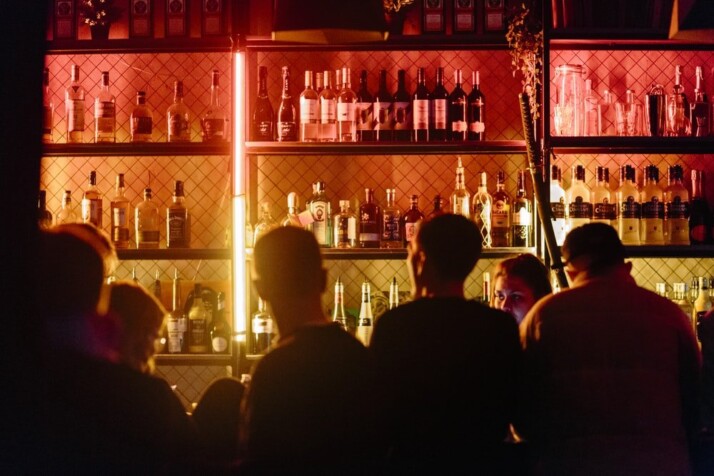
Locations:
(598, 242)
(288, 260)
(100, 241)
(452, 243)
(529, 269)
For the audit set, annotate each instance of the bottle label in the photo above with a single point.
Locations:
(364, 112)
(75, 115)
(264, 131)
(630, 208)
(213, 129)
(580, 209)
(653, 208)
(558, 209)
(390, 228)
(219, 344)
(420, 113)
(141, 125)
(368, 237)
(328, 110)
(286, 130)
(439, 113)
(458, 126)
(410, 230)
(677, 209)
(477, 127)
(308, 110)
(262, 326)
(176, 229)
(148, 236)
(604, 211)
(178, 126)
(522, 217)
(382, 115)
(521, 235)
(92, 212)
(402, 116)
(197, 331)
(120, 230)
(500, 214)
(345, 111)
(175, 341)
(319, 225)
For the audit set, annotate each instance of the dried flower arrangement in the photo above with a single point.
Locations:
(98, 12)
(525, 41)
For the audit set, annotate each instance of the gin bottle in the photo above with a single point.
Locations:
(178, 117)
(74, 108)
(345, 226)
(146, 222)
(92, 211)
(652, 202)
(557, 205)
(578, 198)
(501, 214)
(391, 222)
(482, 208)
(460, 198)
(309, 111)
(365, 320)
(628, 201)
(676, 208)
(214, 123)
(105, 113)
(120, 215)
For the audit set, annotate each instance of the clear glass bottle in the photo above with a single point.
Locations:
(604, 207)
(263, 328)
(578, 198)
(178, 117)
(176, 325)
(370, 219)
(364, 111)
(265, 223)
(439, 123)
(146, 222)
(702, 304)
(420, 109)
(365, 320)
(482, 208)
(48, 109)
(557, 205)
(262, 123)
(591, 117)
(214, 123)
(652, 202)
(522, 226)
(321, 211)
(607, 114)
(67, 213)
(178, 219)
(287, 119)
(382, 110)
(141, 120)
(393, 293)
(74, 107)
(411, 219)
(501, 214)
(346, 110)
(92, 210)
(477, 109)
(319, 84)
(221, 334)
(458, 110)
(391, 222)
(700, 219)
(681, 299)
(630, 211)
(44, 217)
(344, 224)
(198, 321)
(338, 313)
(460, 197)
(309, 111)
(700, 112)
(402, 107)
(292, 218)
(328, 110)
(678, 124)
(105, 123)
(676, 208)
(120, 215)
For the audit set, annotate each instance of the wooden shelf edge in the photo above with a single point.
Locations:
(136, 149)
(670, 251)
(624, 145)
(139, 45)
(175, 254)
(387, 148)
(427, 42)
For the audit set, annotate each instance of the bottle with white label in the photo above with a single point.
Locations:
(328, 110)
(676, 208)
(338, 313)
(391, 222)
(461, 198)
(309, 111)
(476, 109)
(458, 110)
(345, 226)
(346, 110)
(652, 202)
(420, 109)
(92, 211)
(74, 108)
(321, 211)
(365, 320)
(176, 323)
(382, 110)
(262, 327)
(604, 207)
(393, 293)
(580, 208)
(120, 215)
(557, 205)
(401, 106)
(439, 109)
(411, 219)
(522, 226)
(501, 214)
(482, 208)
(630, 211)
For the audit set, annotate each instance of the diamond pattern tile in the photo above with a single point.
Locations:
(191, 381)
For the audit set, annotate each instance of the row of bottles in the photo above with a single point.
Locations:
(695, 300)
(214, 122)
(328, 111)
(646, 215)
(146, 215)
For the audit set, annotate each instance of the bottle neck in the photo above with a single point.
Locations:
(176, 302)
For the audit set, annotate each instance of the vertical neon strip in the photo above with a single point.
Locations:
(240, 285)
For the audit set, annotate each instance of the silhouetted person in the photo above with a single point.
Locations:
(311, 402)
(612, 370)
(518, 283)
(705, 445)
(449, 367)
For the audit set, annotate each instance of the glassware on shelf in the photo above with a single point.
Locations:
(592, 125)
(568, 111)
(628, 116)
(656, 111)
(265, 223)
(678, 124)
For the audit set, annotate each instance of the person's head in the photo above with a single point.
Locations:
(519, 283)
(99, 239)
(141, 320)
(442, 254)
(593, 249)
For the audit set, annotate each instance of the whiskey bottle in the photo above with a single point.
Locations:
(557, 205)
(461, 198)
(266, 222)
(476, 109)
(220, 329)
(382, 110)
(676, 208)
(178, 220)
(146, 222)
(44, 217)
(328, 110)
(604, 207)
(198, 322)
(700, 112)
(402, 108)
(287, 120)
(292, 218)
(92, 203)
(364, 111)
(262, 123)
(120, 214)
(178, 117)
(678, 108)
(393, 293)
(321, 211)
(700, 221)
(214, 123)
(338, 313)
(344, 224)
(262, 327)
(391, 222)
(105, 122)
(420, 109)
(309, 111)
(522, 227)
(141, 120)
(176, 324)
(67, 213)
(482, 208)
(501, 214)
(411, 219)
(365, 320)
(346, 110)
(74, 108)
(628, 201)
(458, 110)
(370, 219)
(439, 109)
(652, 202)
(48, 109)
(578, 198)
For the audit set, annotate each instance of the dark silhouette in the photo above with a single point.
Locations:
(518, 283)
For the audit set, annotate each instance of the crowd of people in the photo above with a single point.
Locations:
(602, 378)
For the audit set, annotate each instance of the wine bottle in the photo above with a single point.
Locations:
(263, 119)
(370, 218)
(328, 110)
(420, 109)
(402, 107)
(476, 109)
(411, 219)
(309, 112)
(522, 227)
(105, 124)
(365, 319)
(364, 111)
(382, 110)
(287, 120)
(220, 329)
(700, 112)
(439, 109)
(458, 110)
(346, 109)
(338, 313)
(198, 322)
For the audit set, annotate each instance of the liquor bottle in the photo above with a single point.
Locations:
(176, 324)
(365, 319)
(338, 313)
(198, 322)
(678, 108)
(178, 219)
(700, 112)
(105, 123)
(402, 108)
(178, 117)
(328, 110)
(501, 214)
(461, 198)
(522, 227)
(346, 110)
(482, 208)
(604, 207)
(120, 214)
(382, 110)
(420, 109)
(680, 298)
(486, 288)
(141, 120)
(700, 221)
(156, 289)
(146, 222)
(44, 217)
(309, 111)
(319, 84)
(344, 224)
(67, 213)
(458, 110)
(48, 108)
(438, 206)
(214, 123)
(393, 293)
(292, 218)
(591, 117)
(74, 108)
(220, 329)
(578, 198)
(364, 111)
(676, 208)
(439, 122)
(287, 120)
(92, 203)
(265, 223)
(262, 123)
(339, 86)
(702, 304)
(476, 109)
(411, 219)
(652, 202)
(557, 205)
(370, 219)
(607, 114)
(321, 210)
(628, 201)
(262, 326)
(391, 222)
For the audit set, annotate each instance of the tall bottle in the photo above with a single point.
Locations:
(458, 110)
(262, 123)
(402, 107)
(702, 304)
(146, 222)
(680, 298)
(292, 218)
(591, 118)
(630, 211)
(346, 110)
(105, 112)
(120, 215)
(678, 108)
(198, 321)
(365, 320)
(178, 219)
(370, 219)
(676, 208)
(319, 84)
(176, 324)
(92, 211)
(344, 224)
(287, 120)
(328, 110)
(321, 210)
(266, 222)
(382, 110)
(364, 111)
(557, 205)
(338, 312)
(700, 112)
(48, 108)
(476, 109)
(460, 197)
(214, 123)
(178, 117)
(652, 202)
(439, 122)
(522, 227)
(67, 213)
(578, 198)
(393, 293)
(482, 208)
(141, 120)
(411, 219)
(220, 329)
(604, 207)
(262, 326)
(309, 111)
(391, 222)
(700, 221)
(74, 107)
(44, 217)
(501, 214)
(420, 109)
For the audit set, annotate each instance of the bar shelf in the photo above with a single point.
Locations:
(183, 254)
(494, 41)
(136, 149)
(336, 254)
(670, 251)
(194, 359)
(139, 45)
(387, 148)
(632, 145)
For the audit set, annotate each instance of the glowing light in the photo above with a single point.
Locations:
(240, 284)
